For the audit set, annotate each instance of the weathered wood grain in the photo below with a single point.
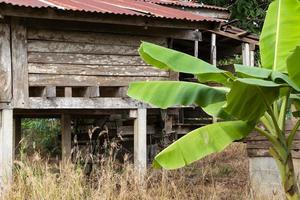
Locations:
(83, 103)
(92, 38)
(84, 81)
(83, 48)
(89, 59)
(19, 63)
(175, 33)
(5, 64)
(66, 137)
(95, 70)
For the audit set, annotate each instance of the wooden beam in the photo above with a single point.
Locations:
(5, 64)
(68, 91)
(86, 103)
(92, 92)
(50, 91)
(66, 137)
(213, 49)
(140, 141)
(235, 37)
(6, 146)
(17, 133)
(246, 54)
(19, 63)
(252, 58)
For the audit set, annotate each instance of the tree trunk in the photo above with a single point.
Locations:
(289, 179)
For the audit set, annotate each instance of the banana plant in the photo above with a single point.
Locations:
(251, 99)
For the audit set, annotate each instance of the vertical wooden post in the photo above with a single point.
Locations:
(6, 145)
(50, 91)
(213, 58)
(68, 91)
(140, 140)
(246, 54)
(66, 137)
(5, 64)
(19, 63)
(213, 49)
(17, 133)
(196, 48)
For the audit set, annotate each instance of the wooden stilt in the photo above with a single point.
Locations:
(213, 58)
(140, 140)
(213, 49)
(246, 54)
(66, 137)
(6, 145)
(17, 134)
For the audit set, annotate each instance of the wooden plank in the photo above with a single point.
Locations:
(5, 64)
(96, 70)
(76, 47)
(19, 63)
(129, 130)
(265, 153)
(93, 92)
(140, 141)
(68, 92)
(50, 91)
(6, 145)
(84, 81)
(77, 103)
(89, 59)
(66, 137)
(183, 34)
(92, 38)
(83, 48)
(266, 145)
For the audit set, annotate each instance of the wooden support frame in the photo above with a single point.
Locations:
(19, 63)
(140, 139)
(6, 146)
(66, 137)
(17, 133)
(213, 49)
(5, 63)
(246, 54)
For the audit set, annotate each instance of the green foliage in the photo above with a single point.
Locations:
(40, 135)
(281, 34)
(211, 138)
(250, 13)
(258, 98)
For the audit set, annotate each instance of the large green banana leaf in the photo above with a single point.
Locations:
(252, 72)
(201, 142)
(293, 66)
(267, 74)
(168, 59)
(164, 94)
(280, 34)
(249, 98)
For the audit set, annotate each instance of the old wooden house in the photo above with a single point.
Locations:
(73, 59)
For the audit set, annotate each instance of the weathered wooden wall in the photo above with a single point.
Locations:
(5, 63)
(78, 58)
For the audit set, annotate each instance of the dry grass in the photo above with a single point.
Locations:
(221, 176)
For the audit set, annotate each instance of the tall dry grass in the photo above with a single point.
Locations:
(218, 177)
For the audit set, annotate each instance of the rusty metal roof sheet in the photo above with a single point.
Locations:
(188, 4)
(118, 7)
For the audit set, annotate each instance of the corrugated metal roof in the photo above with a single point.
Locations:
(119, 7)
(188, 4)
